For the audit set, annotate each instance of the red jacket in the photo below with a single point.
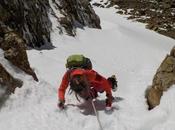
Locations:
(98, 82)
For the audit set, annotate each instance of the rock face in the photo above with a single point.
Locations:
(159, 15)
(81, 12)
(163, 79)
(7, 81)
(26, 23)
(29, 18)
(76, 13)
(15, 50)
(7, 84)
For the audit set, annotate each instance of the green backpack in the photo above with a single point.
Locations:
(78, 61)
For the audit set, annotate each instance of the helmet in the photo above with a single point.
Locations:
(77, 71)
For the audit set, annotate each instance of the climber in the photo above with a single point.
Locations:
(85, 82)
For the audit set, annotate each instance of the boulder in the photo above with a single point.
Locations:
(8, 84)
(162, 81)
(15, 50)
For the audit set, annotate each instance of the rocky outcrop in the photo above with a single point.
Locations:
(163, 79)
(76, 13)
(159, 15)
(26, 23)
(81, 12)
(15, 49)
(8, 84)
(29, 18)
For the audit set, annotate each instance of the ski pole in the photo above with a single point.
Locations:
(96, 113)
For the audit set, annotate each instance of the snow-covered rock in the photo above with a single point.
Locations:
(15, 50)
(75, 14)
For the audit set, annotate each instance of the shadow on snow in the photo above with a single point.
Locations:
(86, 107)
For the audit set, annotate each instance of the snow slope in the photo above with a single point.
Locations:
(123, 48)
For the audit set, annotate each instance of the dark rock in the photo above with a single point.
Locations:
(131, 17)
(97, 4)
(169, 33)
(159, 14)
(120, 12)
(29, 18)
(8, 84)
(6, 80)
(67, 24)
(141, 20)
(77, 13)
(15, 50)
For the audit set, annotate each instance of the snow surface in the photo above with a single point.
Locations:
(123, 48)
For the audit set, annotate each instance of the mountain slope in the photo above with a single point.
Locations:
(121, 48)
